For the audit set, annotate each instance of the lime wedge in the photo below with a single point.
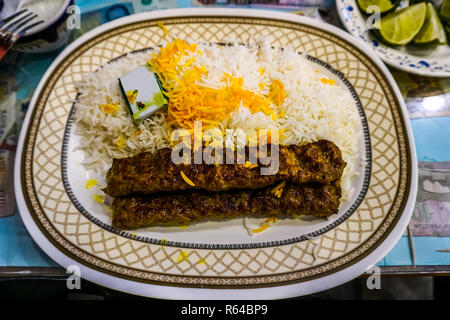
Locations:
(401, 26)
(384, 5)
(432, 30)
(445, 11)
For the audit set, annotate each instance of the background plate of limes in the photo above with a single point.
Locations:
(413, 35)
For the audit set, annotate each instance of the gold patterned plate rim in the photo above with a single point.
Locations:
(278, 271)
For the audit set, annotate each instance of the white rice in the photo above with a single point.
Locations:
(313, 110)
(100, 131)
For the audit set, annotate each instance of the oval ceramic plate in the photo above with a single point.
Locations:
(217, 259)
(433, 62)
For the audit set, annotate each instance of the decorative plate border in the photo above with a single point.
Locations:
(32, 213)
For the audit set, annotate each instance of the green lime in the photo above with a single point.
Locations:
(445, 11)
(401, 26)
(432, 30)
(384, 5)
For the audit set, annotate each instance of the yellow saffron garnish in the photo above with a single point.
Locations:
(163, 242)
(189, 101)
(91, 183)
(186, 179)
(183, 256)
(202, 261)
(201, 70)
(277, 93)
(163, 28)
(262, 86)
(328, 81)
(250, 165)
(98, 198)
(134, 234)
(119, 142)
(278, 190)
(264, 227)
(189, 62)
(109, 107)
(261, 71)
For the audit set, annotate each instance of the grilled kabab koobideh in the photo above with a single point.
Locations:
(314, 199)
(149, 188)
(147, 173)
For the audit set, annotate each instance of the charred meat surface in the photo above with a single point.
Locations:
(148, 173)
(196, 205)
